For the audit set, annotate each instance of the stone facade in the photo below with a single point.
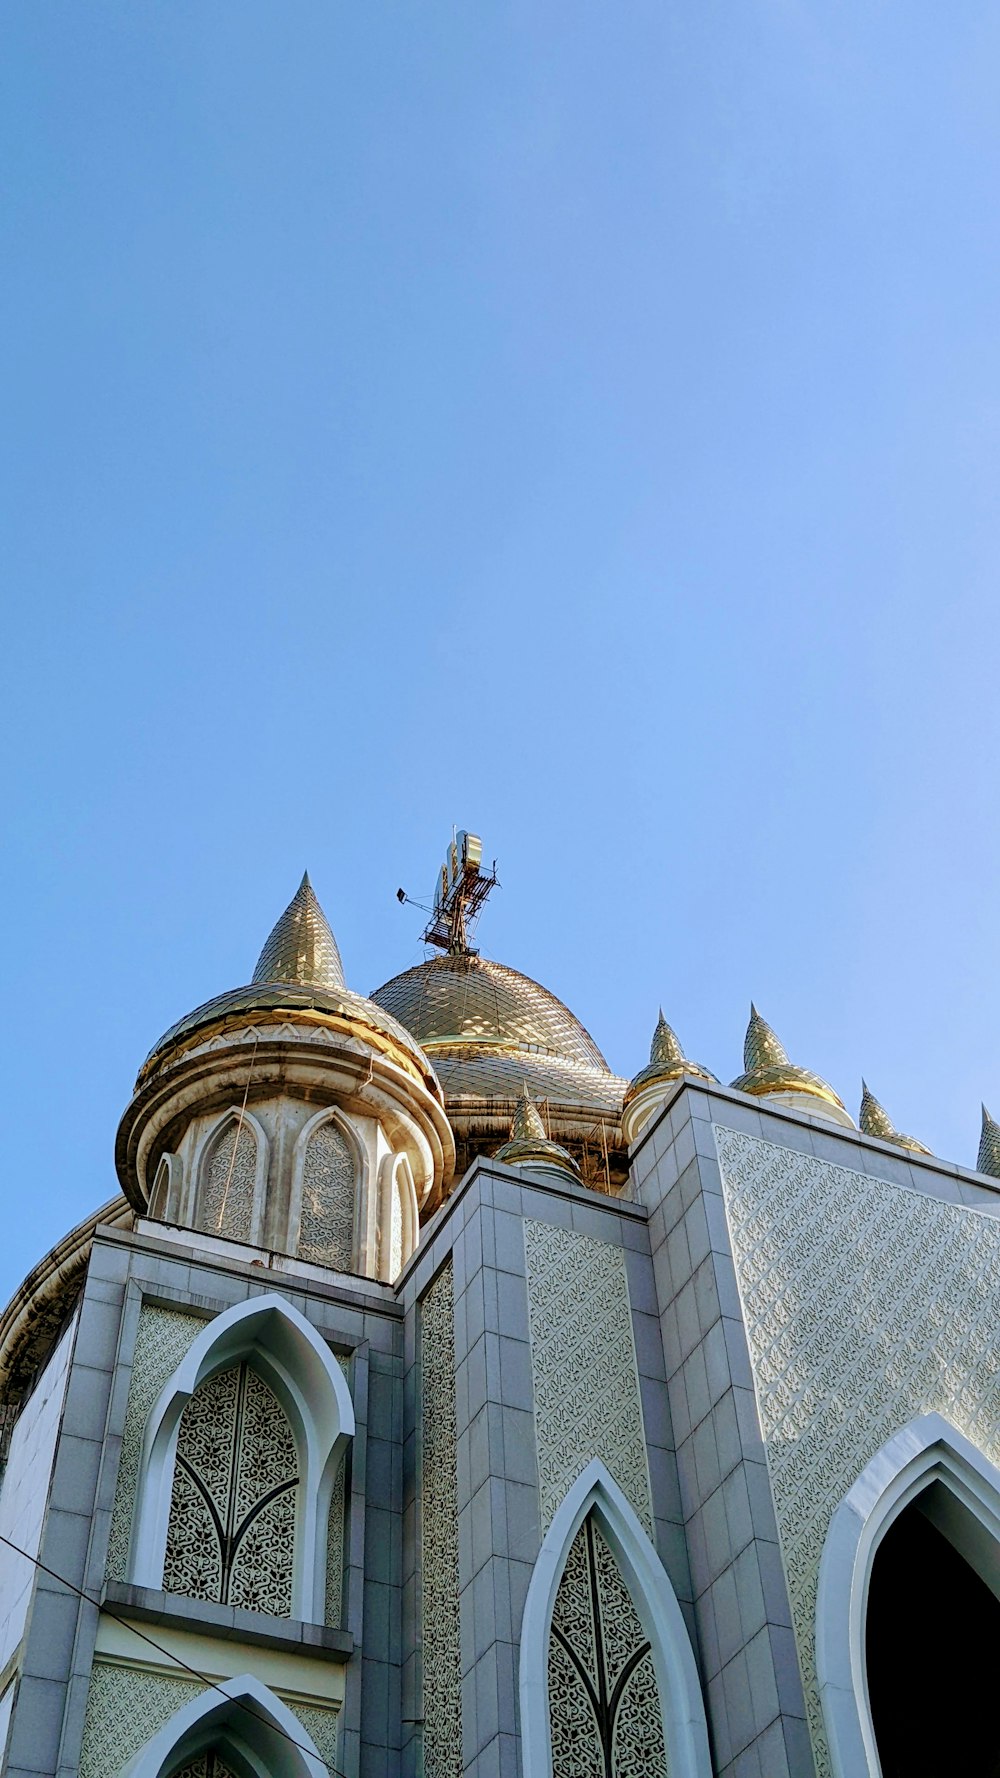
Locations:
(591, 1488)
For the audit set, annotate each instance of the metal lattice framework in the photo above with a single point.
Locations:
(604, 1706)
(231, 1532)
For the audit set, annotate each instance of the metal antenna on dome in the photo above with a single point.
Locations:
(459, 895)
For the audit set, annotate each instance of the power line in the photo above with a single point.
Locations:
(175, 1659)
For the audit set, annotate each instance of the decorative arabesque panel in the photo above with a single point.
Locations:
(442, 1665)
(231, 1531)
(207, 1765)
(604, 1704)
(162, 1339)
(866, 1304)
(583, 1366)
(226, 1187)
(326, 1227)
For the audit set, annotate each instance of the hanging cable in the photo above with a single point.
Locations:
(174, 1659)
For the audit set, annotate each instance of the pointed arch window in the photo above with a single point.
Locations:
(604, 1705)
(207, 1765)
(329, 1192)
(231, 1179)
(231, 1530)
(608, 1682)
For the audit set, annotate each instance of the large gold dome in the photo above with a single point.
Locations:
(490, 1033)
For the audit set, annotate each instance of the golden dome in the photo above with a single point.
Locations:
(989, 1147)
(874, 1120)
(667, 1062)
(299, 978)
(464, 1001)
(768, 1070)
(529, 1144)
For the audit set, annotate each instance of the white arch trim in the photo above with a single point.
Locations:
(396, 1176)
(685, 1730)
(926, 1451)
(313, 1391)
(266, 1728)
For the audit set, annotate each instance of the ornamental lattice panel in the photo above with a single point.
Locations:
(866, 1305)
(442, 1663)
(326, 1228)
(583, 1366)
(604, 1706)
(228, 1178)
(207, 1765)
(231, 1532)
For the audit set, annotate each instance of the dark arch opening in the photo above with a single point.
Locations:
(932, 1648)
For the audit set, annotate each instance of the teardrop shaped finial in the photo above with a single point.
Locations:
(528, 1144)
(301, 947)
(874, 1120)
(989, 1147)
(527, 1123)
(761, 1047)
(664, 1051)
(768, 1073)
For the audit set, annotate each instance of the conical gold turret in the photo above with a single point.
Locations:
(768, 1073)
(989, 1147)
(874, 1120)
(528, 1144)
(667, 1063)
(301, 947)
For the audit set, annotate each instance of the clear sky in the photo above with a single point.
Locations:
(575, 421)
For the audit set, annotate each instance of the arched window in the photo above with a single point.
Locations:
(604, 1707)
(231, 1178)
(608, 1682)
(239, 1728)
(239, 1460)
(908, 1610)
(399, 1222)
(231, 1531)
(327, 1192)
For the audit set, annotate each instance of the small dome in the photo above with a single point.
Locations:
(299, 978)
(874, 1120)
(988, 1160)
(528, 1144)
(768, 1073)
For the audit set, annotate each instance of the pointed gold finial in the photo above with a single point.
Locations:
(989, 1147)
(874, 1120)
(529, 1146)
(301, 947)
(667, 1063)
(769, 1073)
(761, 1047)
(527, 1123)
(664, 1051)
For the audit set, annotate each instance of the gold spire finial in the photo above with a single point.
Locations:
(527, 1123)
(989, 1147)
(529, 1145)
(761, 1048)
(874, 1120)
(664, 1051)
(301, 947)
(769, 1073)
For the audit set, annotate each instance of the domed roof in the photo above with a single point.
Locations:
(300, 978)
(463, 1000)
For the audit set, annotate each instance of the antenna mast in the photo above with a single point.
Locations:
(460, 895)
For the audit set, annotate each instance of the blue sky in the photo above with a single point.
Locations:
(578, 422)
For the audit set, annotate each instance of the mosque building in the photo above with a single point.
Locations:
(434, 1403)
